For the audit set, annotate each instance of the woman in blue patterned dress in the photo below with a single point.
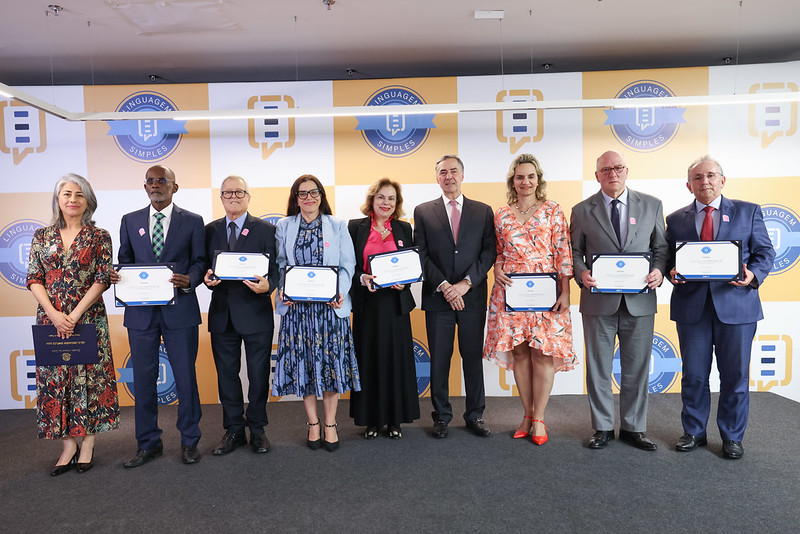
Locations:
(315, 343)
(68, 271)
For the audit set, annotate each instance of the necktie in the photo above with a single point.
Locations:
(707, 230)
(615, 219)
(455, 219)
(158, 236)
(232, 236)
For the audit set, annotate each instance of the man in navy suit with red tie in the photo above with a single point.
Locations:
(717, 316)
(164, 233)
(241, 311)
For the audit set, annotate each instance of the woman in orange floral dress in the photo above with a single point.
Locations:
(532, 237)
(68, 271)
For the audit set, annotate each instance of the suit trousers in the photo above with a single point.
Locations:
(635, 343)
(732, 344)
(181, 345)
(227, 349)
(441, 330)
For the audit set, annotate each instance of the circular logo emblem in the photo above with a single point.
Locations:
(147, 140)
(166, 389)
(395, 135)
(242, 258)
(15, 251)
(66, 356)
(272, 218)
(705, 250)
(530, 283)
(395, 260)
(643, 128)
(311, 275)
(620, 264)
(422, 361)
(143, 275)
(665, 365)
(783, 230)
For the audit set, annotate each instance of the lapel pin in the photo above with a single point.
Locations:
(141, 231)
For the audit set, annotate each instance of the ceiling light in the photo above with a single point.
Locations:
(498, 14)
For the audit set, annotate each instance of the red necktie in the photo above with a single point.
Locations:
(455, 219)
(707, 231)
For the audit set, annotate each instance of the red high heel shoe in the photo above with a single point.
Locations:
(539, 440)
(519, 433)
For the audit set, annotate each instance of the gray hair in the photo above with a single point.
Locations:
(449, 156)
(235, 177)
(698, 161)
(86, 188)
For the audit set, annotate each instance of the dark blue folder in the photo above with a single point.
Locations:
(80, 348)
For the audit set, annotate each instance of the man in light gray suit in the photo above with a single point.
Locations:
(618, 220)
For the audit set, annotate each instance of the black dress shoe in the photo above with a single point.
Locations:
(439, 429)
(732, 449)
(600, 439)
(229, 442)
(144, 455)
(61, 469)
(479, 428)
(259, 442)
(638, 440)
(331, 446)
(189, 454)
(688, 442)
(317, 443)
(85, 466)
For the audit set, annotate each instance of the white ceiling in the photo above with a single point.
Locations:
(91, 42)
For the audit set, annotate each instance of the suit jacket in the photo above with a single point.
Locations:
(734, 305)
(403, 238)
(592, 233)
(337, 251)
(443, 260)
(249, 312)
(183, 247)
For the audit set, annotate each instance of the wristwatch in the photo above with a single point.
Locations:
(469, 283)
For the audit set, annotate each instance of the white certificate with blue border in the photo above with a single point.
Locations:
(531, 292)
(144, 285)
(397, 267)
(708, 260)
(621, 273)
(311, 284)
(240, 265)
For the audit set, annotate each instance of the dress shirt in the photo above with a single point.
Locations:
(167, 213)
(622, 207)
(700, 215)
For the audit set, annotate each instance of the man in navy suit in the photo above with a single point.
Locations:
(164, 233)
(456, 241)
(717, 316)
(241, 311)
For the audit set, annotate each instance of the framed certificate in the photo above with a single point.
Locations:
(80, 348)
(311, 284)
(708, 260)
(532, 292)
(144, 285)
(240, 265)
(397, 267)
(621, 273)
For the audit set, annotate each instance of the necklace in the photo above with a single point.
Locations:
(382, 231)
(525, 212)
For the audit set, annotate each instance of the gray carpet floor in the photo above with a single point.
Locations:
(415, 484)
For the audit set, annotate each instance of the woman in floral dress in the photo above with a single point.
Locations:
(532, 237)
(315, 343)
(69, 269)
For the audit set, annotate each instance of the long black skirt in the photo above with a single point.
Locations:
(385, 354)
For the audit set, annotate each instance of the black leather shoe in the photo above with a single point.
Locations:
(61, 469)
(229, 442)
(259, 442)
(144, 455)
(439, 429)
(479, 428)
(189, 454)
(638, 440)
(331, 446)
(85, 466)
(688, 442)
(732, 449)
(600, 439)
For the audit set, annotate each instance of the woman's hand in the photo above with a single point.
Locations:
(562, 303)
(336, 304)
(500, 277)
(64, 323)
(283, 299)
(366, 281)
(399, 287)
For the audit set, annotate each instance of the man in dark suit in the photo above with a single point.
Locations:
(717, 316)
(241, 311)
(618, 220)
(164, 233)
(456, 240)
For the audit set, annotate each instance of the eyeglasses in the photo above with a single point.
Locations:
(314, 193)
(709, 175)
(616, 168)
(152, 181)
(238, 193)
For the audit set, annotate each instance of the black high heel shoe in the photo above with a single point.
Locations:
(61, 469)
(332, 445)
(83, 467)
(317, 443)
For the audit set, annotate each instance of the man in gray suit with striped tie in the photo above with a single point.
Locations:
(618, 220)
